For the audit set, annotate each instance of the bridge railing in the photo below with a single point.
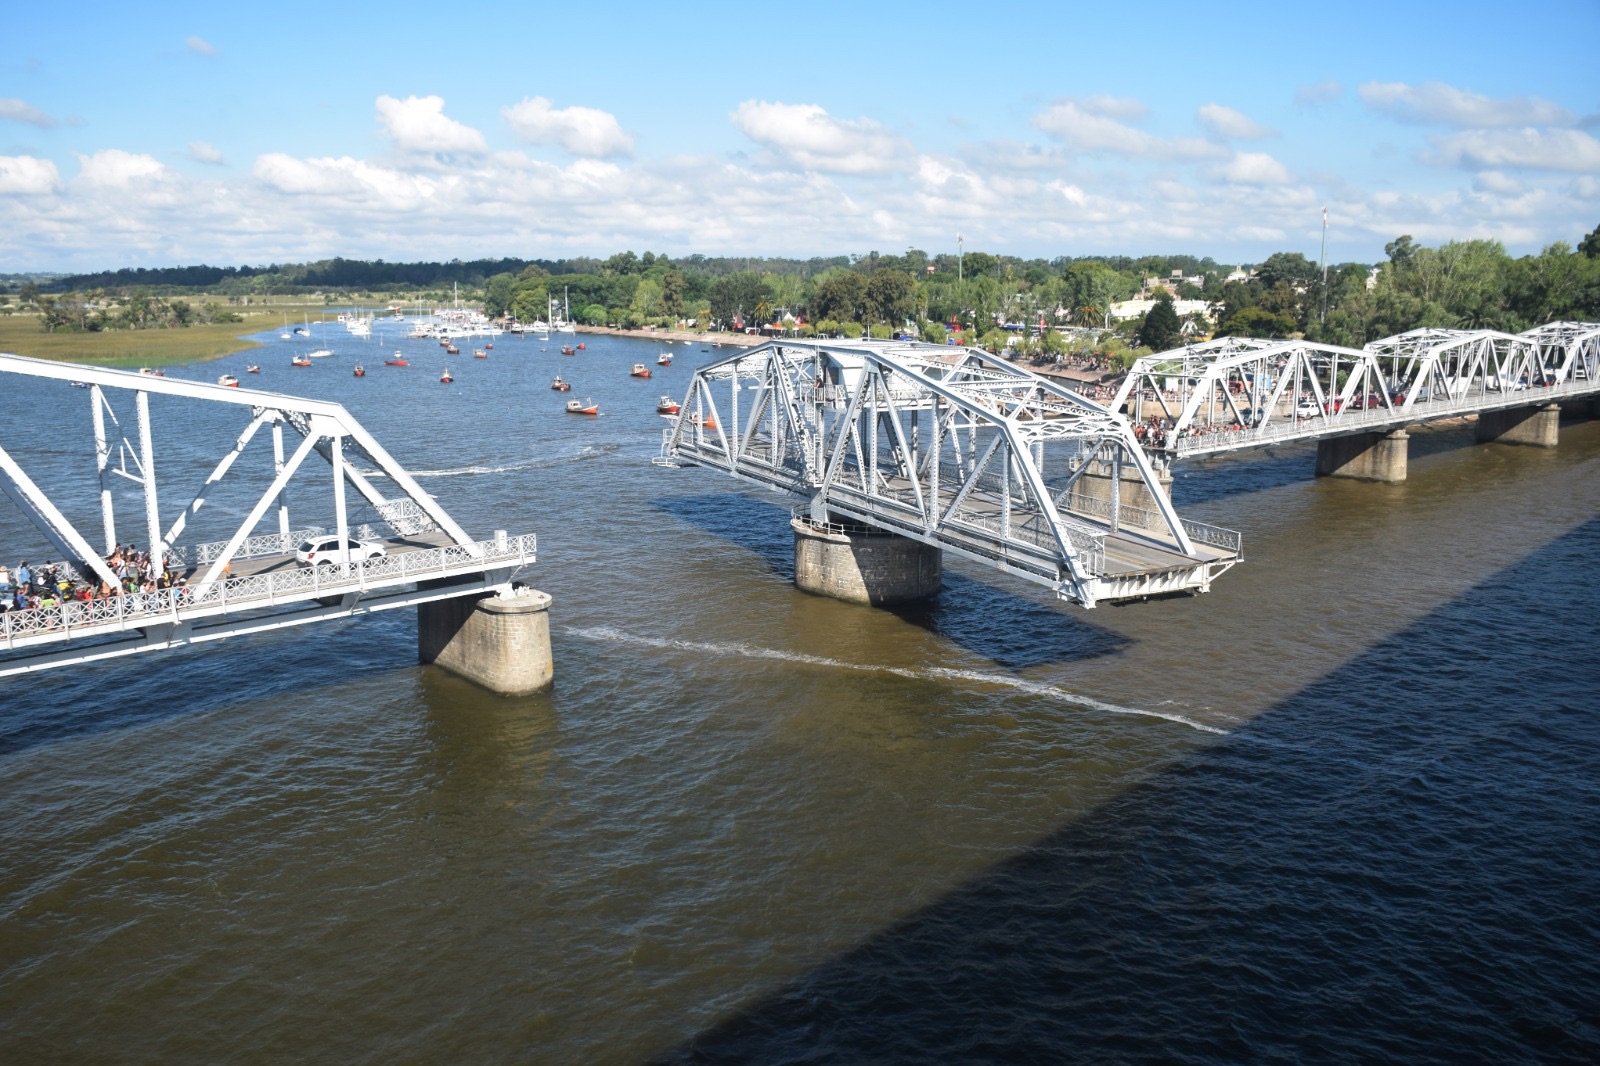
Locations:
(1142, 518)
(259, 590)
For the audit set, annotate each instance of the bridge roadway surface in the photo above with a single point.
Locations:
(1124, 553)
(267, 564)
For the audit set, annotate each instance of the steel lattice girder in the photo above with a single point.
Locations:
(323, 426)
(1257, 387)
(945, 445)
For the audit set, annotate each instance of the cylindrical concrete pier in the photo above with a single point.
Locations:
(1538, 426)
(863, 565)
(500, 642)
(1365, 456)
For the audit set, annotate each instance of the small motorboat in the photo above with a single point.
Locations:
(639, 371)
(582, 407)
(567, 349)
(445, 378)
(559, 385)
(667, 406)
(300, 360)
(479, 353)
(229, 380)
(444, 343)
(80, 384)
(451, 349)
(360, 371)
(398, 354)
(322, 353)
(252, 369)
(664, 359)
(581, 346)
(488, 347)
(147, 372)
(398, 360)
(706, 422)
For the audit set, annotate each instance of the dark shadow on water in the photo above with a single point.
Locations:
(68, 702)
(964, 612)
(1401, 862)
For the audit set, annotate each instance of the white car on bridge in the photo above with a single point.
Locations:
(326, 551)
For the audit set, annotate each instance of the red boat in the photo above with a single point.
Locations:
(252, 369)
(707, 423)
(395, 362)
(582, 407)
(451, 349)
(639, 371)
(667, 406)
(559, 385)
(581, 345)
(664, 359)
(360, 371)
(567, 349)
(445, 378)
(479, 353)
(300, 360)
(487, 347)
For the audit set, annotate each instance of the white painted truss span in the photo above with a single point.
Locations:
(954, 448)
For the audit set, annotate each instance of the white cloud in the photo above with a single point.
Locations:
(1254, 168)
(23, 175)
(204, 152)
(1226, 122)
(344, 178)
(585, 131)
(813, 139)
(1441, 104)
(112, 168)
(199, 46)
(16, 110)
(1323, 92)
(1087, 127)
(1566, 150)
(1493, 181)
(418, 124)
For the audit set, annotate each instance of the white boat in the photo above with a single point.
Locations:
(322, 353)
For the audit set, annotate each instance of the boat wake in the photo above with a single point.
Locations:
(586, 452)
(613, 635)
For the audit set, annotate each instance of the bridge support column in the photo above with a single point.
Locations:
(863, 565)
(1537, 426)
(1095, 483)
(500, 642)
(1365, 456)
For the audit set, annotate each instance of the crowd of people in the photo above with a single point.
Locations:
(52, 584)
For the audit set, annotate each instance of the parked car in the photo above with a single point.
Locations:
(1306, 409)
(325, 551)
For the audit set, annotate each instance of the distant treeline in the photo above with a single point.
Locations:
(341, 274)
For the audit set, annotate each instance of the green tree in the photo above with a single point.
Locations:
(672, 293)
(889, 296)
(841, 294)
(498, 292)
(1590, 245)
(1160, 330)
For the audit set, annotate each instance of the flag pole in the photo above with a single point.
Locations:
(1323, 316)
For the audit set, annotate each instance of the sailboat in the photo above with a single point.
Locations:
(285, 335)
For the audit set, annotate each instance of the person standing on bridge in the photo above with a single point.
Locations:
(24, 577)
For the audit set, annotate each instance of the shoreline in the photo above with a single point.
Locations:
(743, 340)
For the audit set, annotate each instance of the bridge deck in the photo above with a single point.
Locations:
(245, 598)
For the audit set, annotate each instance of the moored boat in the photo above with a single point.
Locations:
(582, 346)
(322, 353)
(451, 349)
(559, 385)
(639, 371)
(229, 380)
(445, 378)
(252, 369)
(706, 422)
(300, 360)
(664, 359)
(567, 349)
(582, 407)
(479, 353)
(667, 406)
(152, 373)
(399, 361)
(360, 371)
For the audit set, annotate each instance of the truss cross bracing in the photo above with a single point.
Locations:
(954, 448)
(1236, 393)
(248, 580)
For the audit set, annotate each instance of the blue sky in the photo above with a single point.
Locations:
(153, 135)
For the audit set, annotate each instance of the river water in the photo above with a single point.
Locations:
(1344, 807)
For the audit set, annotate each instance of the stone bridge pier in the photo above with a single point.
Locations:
(1536, 425)
(859, 564)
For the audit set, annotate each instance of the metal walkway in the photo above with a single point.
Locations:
(1236, 393)
(247, 582)
(954, 448)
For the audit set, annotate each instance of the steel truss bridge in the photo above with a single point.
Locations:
(956, 449)
(247, 582)
(1234, 393)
